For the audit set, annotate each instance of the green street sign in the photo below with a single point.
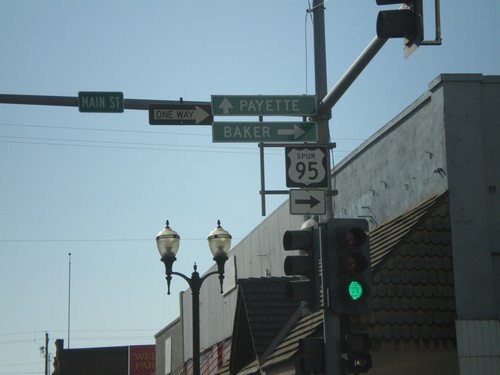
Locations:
(100, 101)
(264, 105)
(241, 132)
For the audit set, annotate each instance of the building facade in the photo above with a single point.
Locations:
(117, 360)
(442, 146)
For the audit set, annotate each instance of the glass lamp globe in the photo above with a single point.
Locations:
(168, 242)
(219, 241)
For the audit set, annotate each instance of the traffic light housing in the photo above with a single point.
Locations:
(351, 290)
(405, 22)
(307, 266)
(311, 356)
(357, 347)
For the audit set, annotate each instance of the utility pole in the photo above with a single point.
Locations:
(69, 297)
(47, 357)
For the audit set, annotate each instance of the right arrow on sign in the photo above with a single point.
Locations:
(311, 201)
(296, 132)
(307, 201)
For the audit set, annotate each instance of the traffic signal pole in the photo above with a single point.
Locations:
(331, 322)
(72, 101)
(351, 74)
(321, 89)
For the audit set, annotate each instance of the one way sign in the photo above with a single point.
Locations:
(307, 202)
(180, 114)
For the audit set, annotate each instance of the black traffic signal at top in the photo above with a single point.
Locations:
(308, 288)
(349, 266)
(406, 22)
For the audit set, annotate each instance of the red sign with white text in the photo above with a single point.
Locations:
(141, 359)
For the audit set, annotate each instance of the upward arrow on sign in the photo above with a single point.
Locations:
(264, 105)
(226, 106)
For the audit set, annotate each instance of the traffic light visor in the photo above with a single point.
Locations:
(298, 265)
(396, 23)
(389, 2)
(298, 240)
(353, 238)
(300, 291)
(353, 264)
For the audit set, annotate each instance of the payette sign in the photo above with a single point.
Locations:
(259, 105)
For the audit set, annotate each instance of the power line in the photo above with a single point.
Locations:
(125, 145)
(86, 143)
(105, 130)
(18, 364)
(79, 240)
(95, 240)
(191, 148)
(240, 149)
(190, 134)
(15, 342)
(79, 330)
(88, 338)
(113, 335)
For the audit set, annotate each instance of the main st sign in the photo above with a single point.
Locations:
(100, 101)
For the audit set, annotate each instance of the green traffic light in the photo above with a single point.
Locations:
(355, 290)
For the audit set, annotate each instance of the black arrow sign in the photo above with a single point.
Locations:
(306, 201)
(312, 202)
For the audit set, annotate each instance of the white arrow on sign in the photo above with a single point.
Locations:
(225, 105)
(200, 114)
(297, 132)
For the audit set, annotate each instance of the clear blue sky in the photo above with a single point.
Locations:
(100, 186)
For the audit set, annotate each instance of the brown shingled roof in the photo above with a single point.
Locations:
(261, 312)
(385, 237)
(307, 326)
(414, 300)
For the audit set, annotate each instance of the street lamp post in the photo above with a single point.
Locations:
(219, 242)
